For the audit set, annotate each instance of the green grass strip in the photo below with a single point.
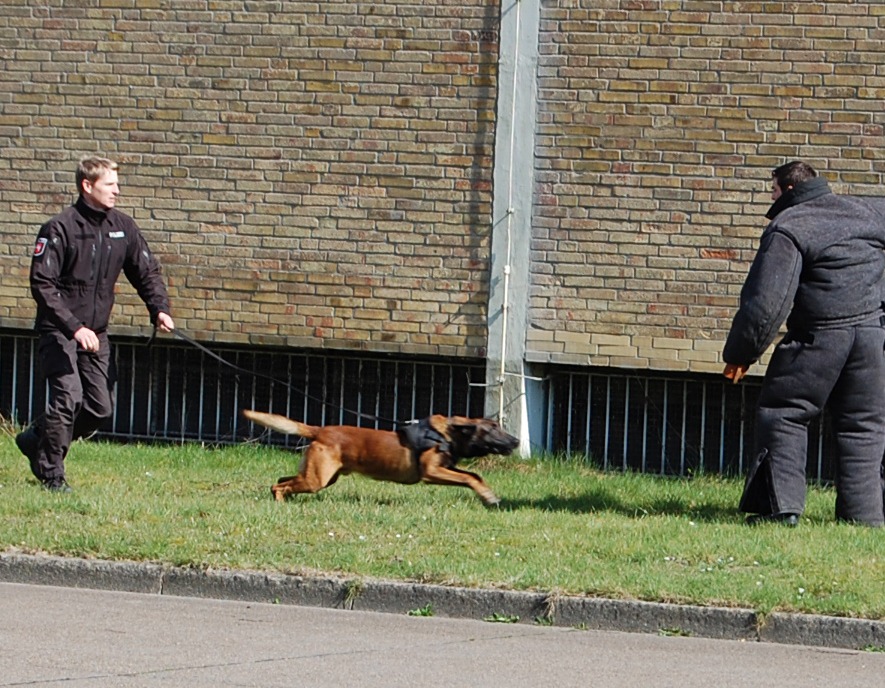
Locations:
(563, 527)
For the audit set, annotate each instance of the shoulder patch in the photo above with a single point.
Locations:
(40, 246)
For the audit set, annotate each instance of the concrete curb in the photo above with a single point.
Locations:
(401, 598)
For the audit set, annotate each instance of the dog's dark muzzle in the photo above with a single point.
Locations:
(504, 444)
(490, 441)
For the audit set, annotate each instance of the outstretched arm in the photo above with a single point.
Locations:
(766, 300)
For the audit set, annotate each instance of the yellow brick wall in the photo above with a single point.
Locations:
(658, 126)
(320, 175)
(309, 175)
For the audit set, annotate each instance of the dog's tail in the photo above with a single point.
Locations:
(282, 424)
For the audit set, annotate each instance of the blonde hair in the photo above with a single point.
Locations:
(92, 167)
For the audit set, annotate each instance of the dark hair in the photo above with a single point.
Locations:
(793, 173)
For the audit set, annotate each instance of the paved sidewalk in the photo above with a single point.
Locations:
(401, 598)
(53, 636)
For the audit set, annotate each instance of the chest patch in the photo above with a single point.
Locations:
(116, 235)
(40, 247)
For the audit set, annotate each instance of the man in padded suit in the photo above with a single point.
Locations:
(819, 266)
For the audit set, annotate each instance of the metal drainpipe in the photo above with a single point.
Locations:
(505, 306)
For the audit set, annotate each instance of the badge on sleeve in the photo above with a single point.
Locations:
(40, 247)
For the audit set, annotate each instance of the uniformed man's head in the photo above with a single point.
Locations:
(97, 182)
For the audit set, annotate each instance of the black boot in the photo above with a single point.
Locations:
(56, 485)
(786, 519)
(28, 443)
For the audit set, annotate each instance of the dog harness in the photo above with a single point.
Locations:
(421, 436)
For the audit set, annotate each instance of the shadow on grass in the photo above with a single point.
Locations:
(600, 500)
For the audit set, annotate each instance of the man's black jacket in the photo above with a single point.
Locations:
(77, 259)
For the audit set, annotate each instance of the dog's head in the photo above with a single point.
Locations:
(472, 437)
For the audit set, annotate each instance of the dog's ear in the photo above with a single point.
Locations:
(465, 427)
(441, 424)
(460, 421)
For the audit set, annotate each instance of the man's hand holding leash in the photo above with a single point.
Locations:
(88, 340)
(165, 322)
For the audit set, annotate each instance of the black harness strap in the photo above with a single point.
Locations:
(421, 436)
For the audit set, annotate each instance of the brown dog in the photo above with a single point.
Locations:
(425, 451)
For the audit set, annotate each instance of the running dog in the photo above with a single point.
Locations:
(425, 451)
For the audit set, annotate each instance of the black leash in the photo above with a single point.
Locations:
(181, 335)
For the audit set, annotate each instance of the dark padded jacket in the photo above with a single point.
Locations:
(819, 265)
(77, 259)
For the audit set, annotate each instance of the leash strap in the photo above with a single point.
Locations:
(181, 335)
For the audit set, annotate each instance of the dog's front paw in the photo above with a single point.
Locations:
(491, 502)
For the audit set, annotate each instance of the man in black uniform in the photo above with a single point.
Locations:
(77, 259)
(820, 262)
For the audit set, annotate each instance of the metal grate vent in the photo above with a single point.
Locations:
(170, 391)
(668, 425)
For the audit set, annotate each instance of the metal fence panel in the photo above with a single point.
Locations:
(666, 424)
(172, 391)
(650, 422)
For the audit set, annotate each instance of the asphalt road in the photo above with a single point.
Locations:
(74, 637)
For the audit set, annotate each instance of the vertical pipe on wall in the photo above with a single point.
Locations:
(508, 224)
(507, 392)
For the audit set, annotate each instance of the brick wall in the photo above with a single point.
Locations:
(309, 175)
(658, 126)
(319, 175)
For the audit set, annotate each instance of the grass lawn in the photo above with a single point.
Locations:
(563, 527)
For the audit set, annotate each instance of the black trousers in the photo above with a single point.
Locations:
(81, 397)
(843, 368)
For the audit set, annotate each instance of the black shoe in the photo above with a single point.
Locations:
(56, 485)
(786, 519)
(28, 443)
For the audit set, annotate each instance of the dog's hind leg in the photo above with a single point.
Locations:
(319, 469)
(434, 472)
